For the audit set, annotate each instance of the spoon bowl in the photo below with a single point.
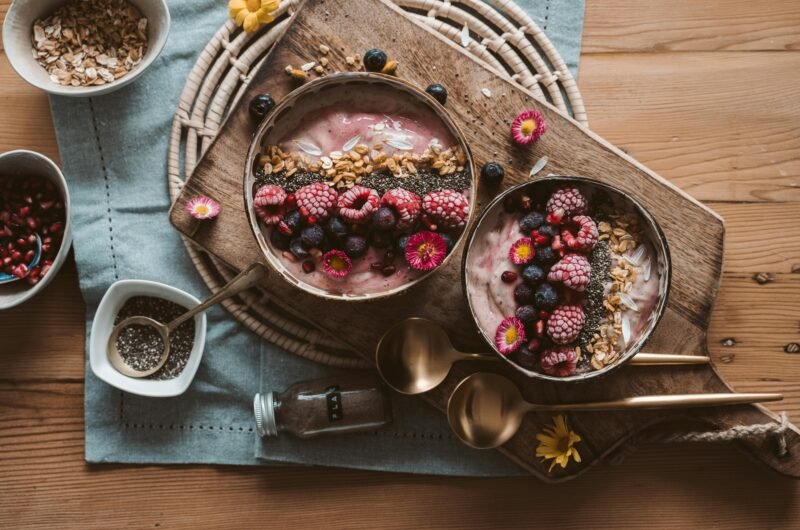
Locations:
(116, 358)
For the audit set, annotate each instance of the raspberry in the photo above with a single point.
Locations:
(407, 205)
(565, 202)
(559, 362)
(573, 271)
(316, 200)
(358, 203)
(565, 323)
(269, 204)
(581, 234)
(447, 208)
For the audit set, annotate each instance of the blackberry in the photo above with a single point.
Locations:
(439, 92)
(279, 240)
(296, 248)
(546, 297)
(312, 236)
(545, 256)
(384, 218)
(355, 246)
(531, 222)
(526, 313)
(492, 173)
(375, 60)
(260, 106)
(533, 275)
(523, 294)
(293, 220)
(336, 228)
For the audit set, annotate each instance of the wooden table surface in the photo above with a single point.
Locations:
(706, 94)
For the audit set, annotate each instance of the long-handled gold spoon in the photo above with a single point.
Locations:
(247, 278)
(416, 355)
(485, 409)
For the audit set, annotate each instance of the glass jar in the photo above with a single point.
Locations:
(333, 405)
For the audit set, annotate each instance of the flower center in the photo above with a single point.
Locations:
(511, 335)
(563, 444)
(253, 5)
(523, 252)
(425, 251)
(202, 209)
(528, 126)
(338, 264)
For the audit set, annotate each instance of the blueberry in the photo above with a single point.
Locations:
(526, 313)
(545, 256)
(531, 222)
(439, 92)
(312, 236)
(384, 218)
(548, 230)
(493, 173)
(526, 358)
(279, 240)
(296, 248)
(355, 246)
(449, 241)
(336, 228)
(546, 297)
(375, 60)
(260, 106)
(380, 239)
(533, 275)
(523, 294)
(402, 241)
(293, 220)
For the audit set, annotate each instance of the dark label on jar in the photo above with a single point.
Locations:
(334, 399)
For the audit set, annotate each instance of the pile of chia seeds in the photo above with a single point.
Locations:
(141, 346)
(600, 260)
(291, 184)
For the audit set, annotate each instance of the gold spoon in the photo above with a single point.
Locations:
(416, 355)
(247, 278)
(485, 410)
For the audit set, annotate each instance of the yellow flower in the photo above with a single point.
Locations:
(557, 443)
(250, 14)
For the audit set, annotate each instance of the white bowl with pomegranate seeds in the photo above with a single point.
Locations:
(32, 190)
(566, 277)
(358, 186)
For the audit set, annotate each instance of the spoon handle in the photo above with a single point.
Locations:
(655, 359)
(478, 357)
(674, 401)
(245, 279)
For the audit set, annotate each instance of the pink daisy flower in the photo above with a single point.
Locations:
(336, 263)
(510, 335)
(528, 127)
(521, 251)
(203, 208)
(425, 251)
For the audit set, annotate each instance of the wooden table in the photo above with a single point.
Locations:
(705, 93)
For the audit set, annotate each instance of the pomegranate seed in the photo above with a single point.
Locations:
(291, 201)
(525, 203)
(24, 211)
(20, 271)
(282, 227)
(46, 247)
(508, 276)
(388, 270)
(7, 261)
(57, 227)
(29, 256)
(534, 345)
(32, 224)
(16, 256)
(308, 267)
(540, 328)
(32, 280)
(377, 266)
(312, 220)
(544, 315)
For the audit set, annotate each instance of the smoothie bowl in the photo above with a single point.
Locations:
(566, 277)
(358, 186)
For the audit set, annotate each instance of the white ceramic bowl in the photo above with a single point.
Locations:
(18, 27)
(112, 302)
(29, 164)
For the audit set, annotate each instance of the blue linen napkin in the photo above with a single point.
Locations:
(114, 151)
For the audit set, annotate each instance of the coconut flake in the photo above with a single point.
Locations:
(626, 331)
(538, 166)
(635, 257)
(402, 145)
(647, 270)
(308, 147)
(486, 92)
(626, 299)
(351, 143)
(308, 66)
(465, 38)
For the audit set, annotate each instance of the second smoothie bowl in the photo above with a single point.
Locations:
(566, 277)
(358, 186)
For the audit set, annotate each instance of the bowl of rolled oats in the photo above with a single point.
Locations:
(84, 47)
(566, 277)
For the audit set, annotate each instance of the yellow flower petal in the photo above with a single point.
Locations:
(265, 17)
(234, 6)
(576, 455)
(270, 5)
(240, 17)
(251, 23)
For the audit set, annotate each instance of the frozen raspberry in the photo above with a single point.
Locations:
(565, 202)
(269, 204)
(358, 204)
(573, 271)
(316, 200)
(447, 208)
(559, 362)
(510, 335)
(407, 205)
(565, 323)
(580, 234)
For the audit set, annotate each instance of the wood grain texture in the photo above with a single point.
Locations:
(694, 233)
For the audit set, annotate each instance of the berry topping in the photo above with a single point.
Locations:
(530, 222)
(291, 222)
(279, 240)
(269, 204)
(526, 313)
(565, 202)
(447, 208)
(336, 228)
(510, 335)
(492, 173)
(573, 271)
(580, 234)
(559, 362)
(546, 297)
(533, 274)
(260, 106)
(375, 60)
(385, 218)
(312, 236)
(406, 204)
(565, 323)
(528, 127)
(545, 256)
(309, 267)
(439, 92)
(448, 239)
(336, 263)
(524, 294)
(526, 357)
(402, 241)
(508, 276)
(358, 203)
(296, 247)
(425, 251)
(521, 251)
(355, 246)
(316, 200)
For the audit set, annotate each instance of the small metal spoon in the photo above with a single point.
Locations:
(242, 281)
(37, 255)
(416, 355)
(485, 410)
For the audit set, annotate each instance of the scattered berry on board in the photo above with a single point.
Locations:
(260, 106)
(493, 173)
(375, 60)
(439, 92)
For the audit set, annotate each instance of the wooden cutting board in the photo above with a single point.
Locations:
(695, 233)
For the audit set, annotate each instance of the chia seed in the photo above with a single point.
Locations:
(600, 260)
(141, 346)
(290, 184)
